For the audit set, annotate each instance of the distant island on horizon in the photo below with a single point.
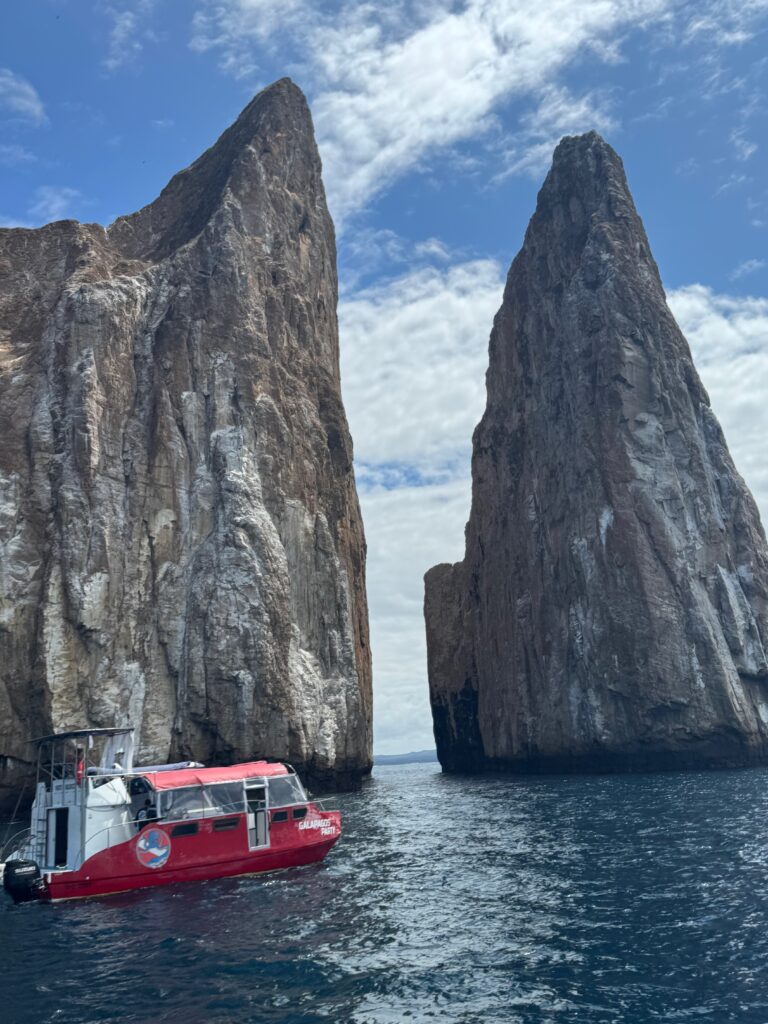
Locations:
(414, 757)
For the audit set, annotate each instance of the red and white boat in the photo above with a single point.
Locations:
(101, 826)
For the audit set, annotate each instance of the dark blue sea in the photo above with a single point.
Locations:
(593, 899)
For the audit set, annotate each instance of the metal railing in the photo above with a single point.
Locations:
(321, 803)
(17, 841)
(81, 857)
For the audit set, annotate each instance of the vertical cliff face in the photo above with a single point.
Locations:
(180, 539)
(612, 607)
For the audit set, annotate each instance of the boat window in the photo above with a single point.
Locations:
(300, 812)
(138, 786)
(279, 815)
(257, 798)
(226, 798)
(225, 824)
(187, 829)
(285, 789)
(190, 802)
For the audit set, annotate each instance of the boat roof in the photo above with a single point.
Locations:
(208, 776)
(83, 733)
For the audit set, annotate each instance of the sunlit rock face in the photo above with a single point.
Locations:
(180, 538)
(611, 611)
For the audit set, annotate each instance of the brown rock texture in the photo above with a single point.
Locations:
(611, 611)
(181, 546)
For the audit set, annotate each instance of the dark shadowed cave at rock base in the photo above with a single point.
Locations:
(611, 610)
(185, 551)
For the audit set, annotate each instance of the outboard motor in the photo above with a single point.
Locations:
(22, 880)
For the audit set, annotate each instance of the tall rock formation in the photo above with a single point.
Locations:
(612, 607)
(180, 539)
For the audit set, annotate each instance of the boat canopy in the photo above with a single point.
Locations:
(210, 776)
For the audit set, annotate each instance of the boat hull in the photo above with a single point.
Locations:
(163, 854)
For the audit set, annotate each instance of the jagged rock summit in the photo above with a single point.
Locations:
(180, 536)
(611, 611)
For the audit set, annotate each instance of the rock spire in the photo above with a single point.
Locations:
(180, 537)
(611, 611)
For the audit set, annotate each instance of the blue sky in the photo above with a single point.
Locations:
(436, 122)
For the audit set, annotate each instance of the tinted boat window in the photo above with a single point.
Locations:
(285, 789)
(300, 812)
(279, 815)
(226, 824)
(187, 829)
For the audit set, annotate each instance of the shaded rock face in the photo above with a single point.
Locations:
(612, 607)
(181, 546)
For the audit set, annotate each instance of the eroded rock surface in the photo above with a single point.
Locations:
(612, 607)
(180, 539)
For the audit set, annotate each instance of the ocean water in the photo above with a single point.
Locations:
(593, 899)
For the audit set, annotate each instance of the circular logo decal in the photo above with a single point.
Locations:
(153, 847)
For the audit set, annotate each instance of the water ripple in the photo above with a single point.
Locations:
(598, 899)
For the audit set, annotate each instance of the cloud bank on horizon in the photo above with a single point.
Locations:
(435, 122)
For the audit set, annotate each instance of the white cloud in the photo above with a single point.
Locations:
(558, 114)
(123, 44)
(409, 530)
(725, 22)
(413, 366)
(20, 98)
(414, 354)
(734, 181)
(746, 268)
(233, 26)
(368, 253)
(12, 154)
(385, 104)
(54, 202)
(128, 33)
(729, 339)
(393, 84)
(743, 147)
(433, 248)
